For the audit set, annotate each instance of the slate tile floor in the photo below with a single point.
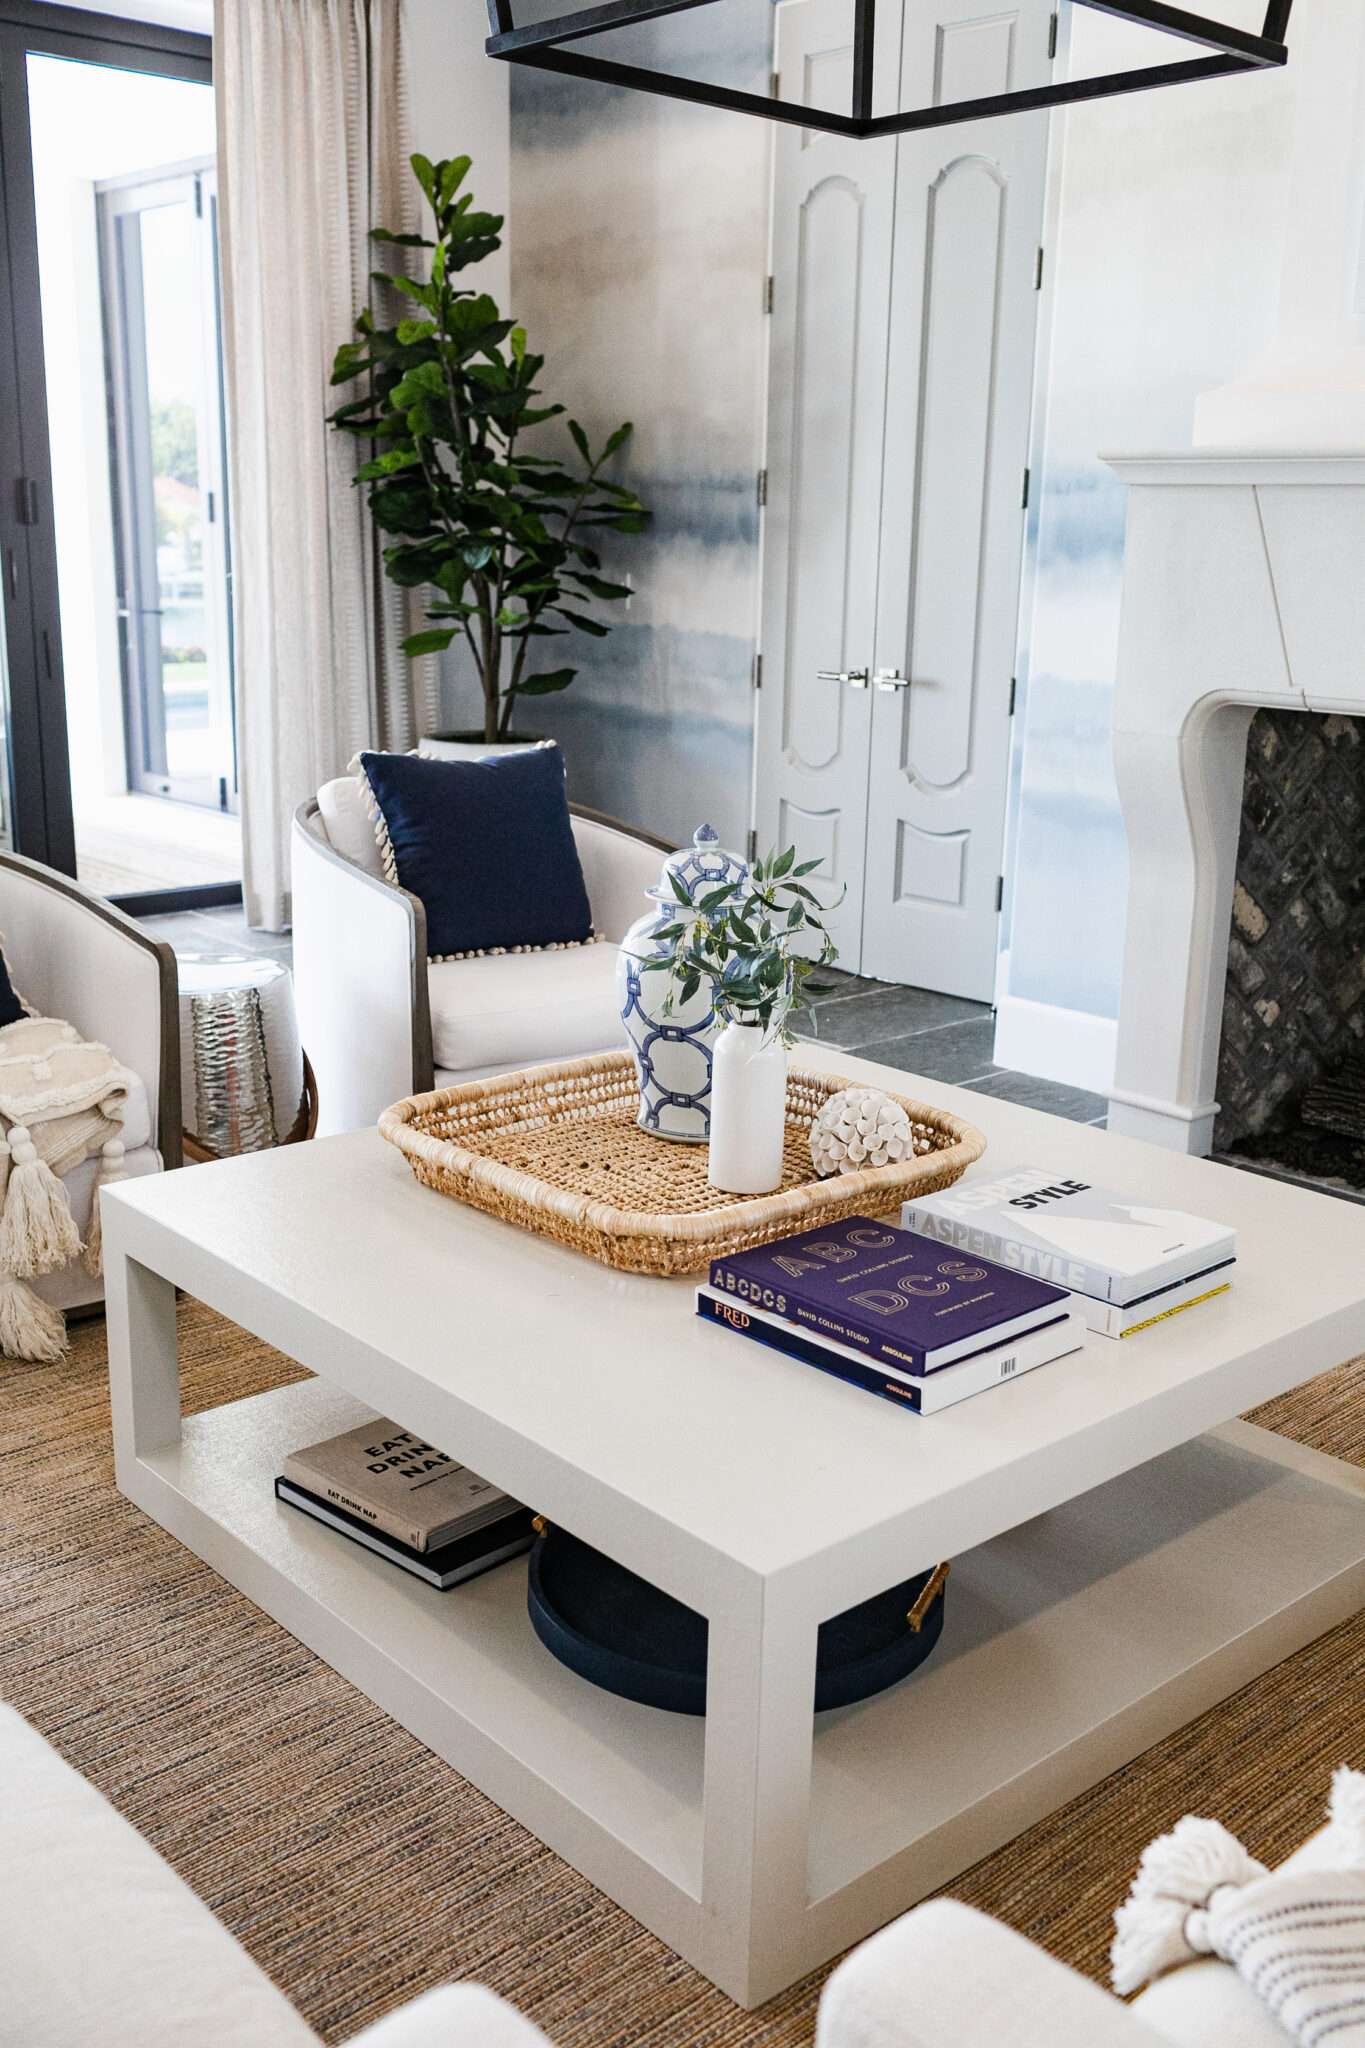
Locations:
(944, 1038)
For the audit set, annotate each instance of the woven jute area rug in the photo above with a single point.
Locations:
(359, 1869)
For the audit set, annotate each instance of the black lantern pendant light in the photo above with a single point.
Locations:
(540, 43)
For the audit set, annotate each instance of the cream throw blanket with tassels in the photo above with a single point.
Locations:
(61, 1098)
(1297, 1936)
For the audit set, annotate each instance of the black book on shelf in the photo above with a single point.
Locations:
(465, 1558)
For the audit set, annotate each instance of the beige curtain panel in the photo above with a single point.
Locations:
(312, 153)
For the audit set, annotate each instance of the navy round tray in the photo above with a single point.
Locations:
(626, 1636)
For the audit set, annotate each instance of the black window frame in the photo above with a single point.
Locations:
(39, 770)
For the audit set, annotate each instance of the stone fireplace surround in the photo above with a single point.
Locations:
(1244, 585)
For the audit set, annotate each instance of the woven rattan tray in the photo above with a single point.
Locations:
(557, 1149)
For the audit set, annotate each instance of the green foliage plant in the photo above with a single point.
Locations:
(502, 536)
(759, 943)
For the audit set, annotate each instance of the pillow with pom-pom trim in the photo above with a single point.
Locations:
(487, 845)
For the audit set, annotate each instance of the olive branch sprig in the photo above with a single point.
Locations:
(758, 943)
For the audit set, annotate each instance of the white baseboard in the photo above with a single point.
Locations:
(1055, 1044)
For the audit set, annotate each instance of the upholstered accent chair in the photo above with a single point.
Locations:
(72, 955)
(380, 1021)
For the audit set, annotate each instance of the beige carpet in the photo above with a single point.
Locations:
(359, 1869)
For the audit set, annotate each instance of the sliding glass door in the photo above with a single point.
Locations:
(113, 508)
(159, 249)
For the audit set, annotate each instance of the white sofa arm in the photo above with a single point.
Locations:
(360, 982)
(456, 2016)
(619, 864)
(946, 1976)
(100, 1941)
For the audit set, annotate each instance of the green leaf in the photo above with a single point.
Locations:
(425, 176)
(614, 441)
(580, 441)
(432, 641)
(783, 864)
(541, 686)
(517, 342)
(451, 177)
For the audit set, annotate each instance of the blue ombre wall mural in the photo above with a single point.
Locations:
(1163, 256)
(639, 240)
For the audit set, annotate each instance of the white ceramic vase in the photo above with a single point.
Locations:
(748, 1110)
(672, 1048)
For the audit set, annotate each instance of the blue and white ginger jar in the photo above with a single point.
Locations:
(672, 1053)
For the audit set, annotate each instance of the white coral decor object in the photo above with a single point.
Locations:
(860, 1127)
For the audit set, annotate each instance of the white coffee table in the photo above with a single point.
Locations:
(1120, 1561)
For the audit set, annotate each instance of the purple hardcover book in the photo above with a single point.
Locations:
(894, 1295)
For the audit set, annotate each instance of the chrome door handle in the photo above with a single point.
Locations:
(891, 679)
(856, 676)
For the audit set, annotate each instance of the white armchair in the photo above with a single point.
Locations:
(379, 1022)
(946, 1976)
(73, 956)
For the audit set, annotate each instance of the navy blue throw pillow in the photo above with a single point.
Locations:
(487, 845)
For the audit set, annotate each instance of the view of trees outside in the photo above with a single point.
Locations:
(175, 359)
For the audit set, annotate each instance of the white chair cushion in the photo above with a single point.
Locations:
(456, 2016)
(1207, 2005)
(350, 828)
(100, 1941)
(510, 1010)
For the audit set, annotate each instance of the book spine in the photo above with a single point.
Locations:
(821, 1323)
(402, 1529)
(1033, 1263)
(810, 1352)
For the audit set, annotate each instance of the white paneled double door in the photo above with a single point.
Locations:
(900, 373)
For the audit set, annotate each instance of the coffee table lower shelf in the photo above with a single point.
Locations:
(1070, 1645)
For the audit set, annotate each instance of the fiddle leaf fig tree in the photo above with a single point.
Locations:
(501, 536)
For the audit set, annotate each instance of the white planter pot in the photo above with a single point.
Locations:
(456, 747)
(748, 1110)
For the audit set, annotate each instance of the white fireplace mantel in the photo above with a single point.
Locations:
(1243, 585)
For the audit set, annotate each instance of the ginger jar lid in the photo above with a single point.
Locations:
(705, 863)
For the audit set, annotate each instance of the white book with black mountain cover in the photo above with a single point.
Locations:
(397, 1482)
(1058, 1227)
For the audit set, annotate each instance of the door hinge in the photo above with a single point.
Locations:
(1014, 684)
(1052, 37)
(26, 500)
(199, 199)
(753, 843)
(758, 671)
(774, 85)
(1000, 892)
(1024, 498)
(763, 487)
(768, 283)
(1038, 272)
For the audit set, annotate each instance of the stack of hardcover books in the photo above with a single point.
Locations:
(1126, 1264)
(409, 1502)
(895, 1314)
